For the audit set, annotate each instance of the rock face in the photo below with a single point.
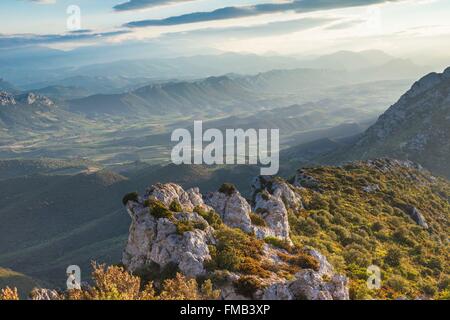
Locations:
(415, 128)
(166, 237)
(417, 216)
(308, 284)
(232, 208)
(170, 192)
(272, 199)
(44, 294)
(158, 241)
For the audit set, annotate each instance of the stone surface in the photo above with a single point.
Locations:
(154, 240)
(272, 198)
(232, 208)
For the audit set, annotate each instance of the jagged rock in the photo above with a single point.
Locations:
(311, 285)
(308, 284)
(278, 291)
(44, 294)
(169, 192)
(303, 180)
(272, 198)
(325, 268)
(232, 208)
(153, 240)
(371, 188)
(273, 210)
(417, 216)
(279, 189)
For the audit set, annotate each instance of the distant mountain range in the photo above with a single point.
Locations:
(26, 114)
(349, 60)
(23, 67)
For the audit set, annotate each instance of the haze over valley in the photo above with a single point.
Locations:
(360, 93)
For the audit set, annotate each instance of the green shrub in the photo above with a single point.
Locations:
(393, 257)
(159, 210)
(278, 243)
(397, 283)
(257, 220)
(247, 286)
(184, 226)
(175, 206)
(235, 251)
(132, 196)
(211, 217)
(228, 189)
(305, 261)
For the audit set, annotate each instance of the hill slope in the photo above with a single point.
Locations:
(12, 279)
(387, 213)
(417, 128)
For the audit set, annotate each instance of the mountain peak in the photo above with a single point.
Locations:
(415, 128)
(427, 82)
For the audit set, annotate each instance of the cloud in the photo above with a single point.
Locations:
(262, 30)
(254, 10)
(22, 40)
(142, 4)
(43, 1)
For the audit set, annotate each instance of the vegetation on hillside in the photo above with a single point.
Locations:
(356, 217)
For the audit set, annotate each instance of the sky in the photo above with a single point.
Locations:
(292, 27)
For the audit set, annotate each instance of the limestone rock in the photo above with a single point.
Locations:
(170, 192)
(44, 294)
(272, 198)
(232, 208)
(159, 241)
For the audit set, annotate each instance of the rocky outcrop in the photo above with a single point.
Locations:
(160, 236)
(416, 215)
(44, 294)
(309, 284)
(303, 180)
(232, 208)
(164, 234)
(32, 98)
(272, 199)
(170, 192)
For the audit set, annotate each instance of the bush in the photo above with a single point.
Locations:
(397, 283)
(257, 220)
(236, 252)
(278, 243)
(159, 210)
(302, 260)
(186, 226)
(132, 196)
(393, 257)
(211, 217)
(228, 189)
(175, 206)
(306, 261)
(9, 294)
(247, 286)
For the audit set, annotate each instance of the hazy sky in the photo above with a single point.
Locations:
(306, 27)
